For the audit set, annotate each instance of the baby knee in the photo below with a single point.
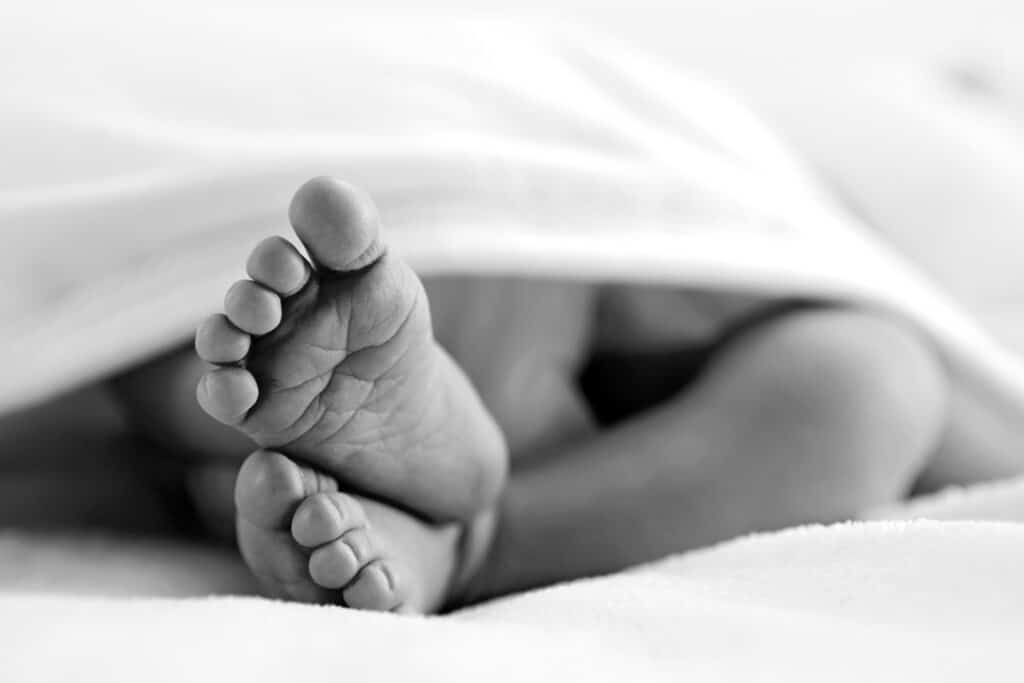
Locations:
(865, 370)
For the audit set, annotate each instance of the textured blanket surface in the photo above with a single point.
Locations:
(884, 600)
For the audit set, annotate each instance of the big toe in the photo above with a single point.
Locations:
(270, 486)
(338, 224)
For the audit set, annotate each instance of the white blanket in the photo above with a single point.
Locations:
(880, 601)
(141, 160)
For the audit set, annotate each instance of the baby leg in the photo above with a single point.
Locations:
(809, 417)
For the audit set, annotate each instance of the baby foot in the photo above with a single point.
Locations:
(307, 541)
(335, 363)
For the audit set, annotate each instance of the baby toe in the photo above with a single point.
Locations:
(252, 308)
(271, 557)
(325, 517)
(338, 223)
(227, 394)
(276, 264)
(374, 588)
(218, 341)
(333, 565)
(268, 488)
(278, 564)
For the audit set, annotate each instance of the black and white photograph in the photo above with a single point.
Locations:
(475, 342)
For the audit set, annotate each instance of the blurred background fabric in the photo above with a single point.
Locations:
(912, 111)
